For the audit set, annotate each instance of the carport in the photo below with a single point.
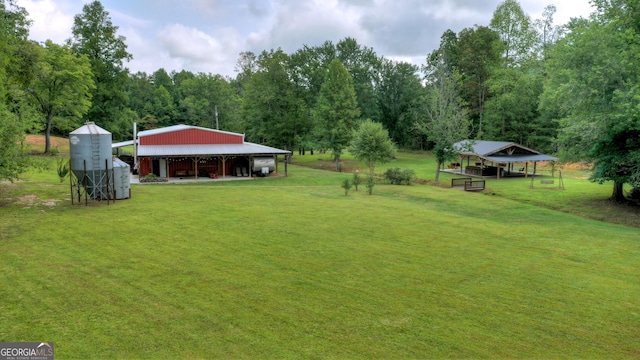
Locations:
(496, 159)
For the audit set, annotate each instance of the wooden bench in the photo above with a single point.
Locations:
(474, 185)
(459, 181)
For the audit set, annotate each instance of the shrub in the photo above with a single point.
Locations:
(346, 185)
(370, 184)
(356, 180)
(63, 169)
(397, 176)
(152, 178)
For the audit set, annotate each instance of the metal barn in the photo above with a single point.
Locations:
(190, 151)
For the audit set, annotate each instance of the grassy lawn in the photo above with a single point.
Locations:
(580, 197)
(291, 268)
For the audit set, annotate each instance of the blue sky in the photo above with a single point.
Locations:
(207, 35)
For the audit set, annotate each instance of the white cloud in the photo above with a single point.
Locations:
(207, 35)
(52, 20)
(196, 50)
(565, 10)
(294, 24)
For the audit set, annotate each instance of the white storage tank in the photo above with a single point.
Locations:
(91, 159)
(263, 166)
(121, 179)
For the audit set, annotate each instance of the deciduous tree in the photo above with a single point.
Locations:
(273, 112)
(337, 110)
(14, 30)
(479, 53)
(447, 121)
(95, 36)
(371, 143)
(399, 96)
(594, 72)
(211, 101)
(60, 89)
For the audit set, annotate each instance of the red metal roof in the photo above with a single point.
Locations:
(188, 135)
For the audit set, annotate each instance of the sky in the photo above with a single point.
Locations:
(208, 35)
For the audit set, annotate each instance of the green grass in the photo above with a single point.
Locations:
(291, 268)
(580, 197)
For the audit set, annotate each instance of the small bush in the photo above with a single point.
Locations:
(63, 169)
(356, 180)
(397, 176)
(346, 185)
(152, 178)
(371, 182)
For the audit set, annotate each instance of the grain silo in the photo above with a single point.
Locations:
(121, 179)
(91, 162)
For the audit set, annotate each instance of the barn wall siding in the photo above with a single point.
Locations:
(191, 136)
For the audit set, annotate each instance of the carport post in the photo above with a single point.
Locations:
(286, 162)
(224, 166)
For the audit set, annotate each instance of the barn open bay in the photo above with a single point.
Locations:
(272, 268)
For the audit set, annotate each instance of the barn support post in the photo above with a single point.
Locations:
(526, 170)
(195, 166)
(224, 166)
(286, 162)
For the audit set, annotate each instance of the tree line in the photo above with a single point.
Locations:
(567, 89)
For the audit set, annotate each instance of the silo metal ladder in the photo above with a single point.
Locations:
(97, 176)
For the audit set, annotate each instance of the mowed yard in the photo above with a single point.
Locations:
(292, 268)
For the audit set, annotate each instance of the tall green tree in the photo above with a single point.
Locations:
(447, 121)
(399, 97)
(337, 110)
(512, 112)
(211, 101)
(371, 143)
(95, 36)
(275, 115)
(13, 158)
(363, 65)
(548, 32)
(516, 31)
(479, 53)
(14, 31)
(162, 107)
(246, 66)
(160, 77)
(61, 89)
(594, 72)
(140, 93)
(309, 67)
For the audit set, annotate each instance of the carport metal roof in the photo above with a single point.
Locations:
(501, 151)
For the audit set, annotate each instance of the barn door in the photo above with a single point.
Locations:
(155, 167)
